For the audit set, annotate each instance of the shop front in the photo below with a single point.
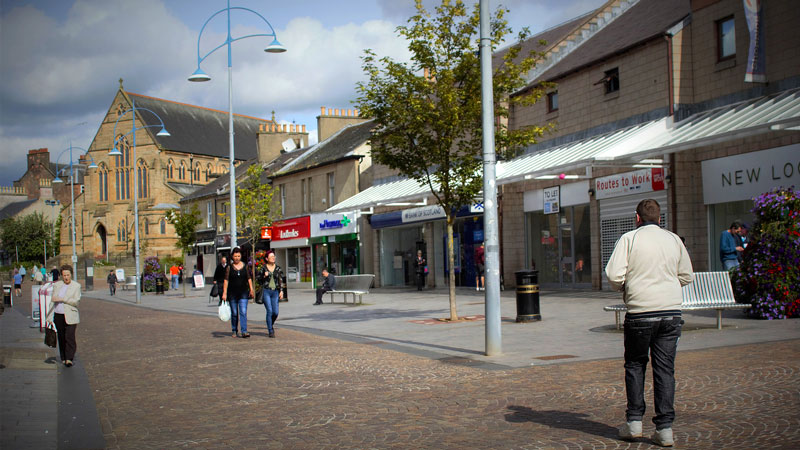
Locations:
(558, 235)
(731, 183)
(291, 242)
(403, 233)
(618, 196)
(335, 243)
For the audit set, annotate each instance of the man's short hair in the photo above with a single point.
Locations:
(736, 224)
(648, 210)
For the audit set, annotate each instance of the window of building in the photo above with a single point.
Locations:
(182, 171)
(197, 172)
(209, 215)
(552, 101)
(146, 227)
(170, 167)
(163, 226)
(208, 172)
(310, 195)
(102, 175)
(303, 189)
(726, 39)
(118, 184)
(283, 199)
(142, 179)
(331, 189)
(611, 81)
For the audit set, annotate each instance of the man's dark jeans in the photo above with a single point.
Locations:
(659, 338)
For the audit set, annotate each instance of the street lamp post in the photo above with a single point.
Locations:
(72, 195)
(116, 152)
(199, 75)
(52, 203)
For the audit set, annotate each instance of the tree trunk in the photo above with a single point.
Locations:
(451, 266)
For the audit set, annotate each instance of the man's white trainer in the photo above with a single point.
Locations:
(631, 430)
(663, 437)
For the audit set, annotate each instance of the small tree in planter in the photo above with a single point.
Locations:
(769, 276)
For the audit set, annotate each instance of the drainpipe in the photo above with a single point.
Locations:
(671, 165)
(670, 84)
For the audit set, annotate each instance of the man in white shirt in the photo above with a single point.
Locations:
(650, 265)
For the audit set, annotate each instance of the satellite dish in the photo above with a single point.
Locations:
(289, 145)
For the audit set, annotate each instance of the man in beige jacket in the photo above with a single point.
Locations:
(650, 265)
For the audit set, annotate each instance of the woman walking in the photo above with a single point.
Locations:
(17, 283)
(238, 290)
(271, 280)
(63, 311)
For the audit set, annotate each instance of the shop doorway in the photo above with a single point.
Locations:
(559, 247)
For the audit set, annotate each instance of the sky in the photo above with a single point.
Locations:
(60, 60)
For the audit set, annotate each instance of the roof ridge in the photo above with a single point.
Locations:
(198, 107)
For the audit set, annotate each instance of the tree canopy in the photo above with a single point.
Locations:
(428, 110)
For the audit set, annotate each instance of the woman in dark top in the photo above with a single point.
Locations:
(238, 290)
(271, 281)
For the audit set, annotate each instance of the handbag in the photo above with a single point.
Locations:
(224, 311)
(215, 290)
(50, 337)
(259, 297)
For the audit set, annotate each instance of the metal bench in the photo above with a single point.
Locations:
(358, 285)
(130, 281)
(710, 290)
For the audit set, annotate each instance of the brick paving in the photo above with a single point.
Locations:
(172, 380)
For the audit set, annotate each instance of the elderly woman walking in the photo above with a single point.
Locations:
(63, 312)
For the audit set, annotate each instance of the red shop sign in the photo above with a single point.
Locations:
(299, 228)
(266, 232)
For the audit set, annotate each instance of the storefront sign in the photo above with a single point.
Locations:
(223, 240)
(552, 198)
(477, 207)
(297, 228)
(423, 213)
(266, 232)
(323, 224)
(745, 176)
(645, 180)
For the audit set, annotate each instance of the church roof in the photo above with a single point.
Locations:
(198, 130)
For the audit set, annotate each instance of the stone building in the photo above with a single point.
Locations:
(164, 170)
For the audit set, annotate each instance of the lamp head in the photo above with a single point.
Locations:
(275, 47)
(92, 165)
(57, 180)
(163, 133)
(115, 151)
(199, 75)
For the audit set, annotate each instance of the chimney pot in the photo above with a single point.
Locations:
(304, 128)
(284, 128)
(321, 110)
(291, 128)
(355, 112)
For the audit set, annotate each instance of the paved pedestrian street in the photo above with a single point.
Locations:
(172, 380)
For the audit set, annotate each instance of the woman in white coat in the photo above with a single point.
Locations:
(63, 311)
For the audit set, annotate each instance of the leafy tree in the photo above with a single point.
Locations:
(254, 205)
(428, 111)
(26, 235)
(185, 223)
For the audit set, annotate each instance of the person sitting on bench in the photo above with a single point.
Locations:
(328, 284)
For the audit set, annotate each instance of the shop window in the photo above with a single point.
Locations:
(552, 102)
(726, 39)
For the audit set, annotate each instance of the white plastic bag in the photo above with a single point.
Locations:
(224, 311)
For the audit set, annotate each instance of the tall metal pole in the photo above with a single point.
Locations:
(136, 204)
(72, 213)
(230, 133)
(494, 345)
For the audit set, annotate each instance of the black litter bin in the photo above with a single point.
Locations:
(528, 296)
(7, 294)
(159, 285)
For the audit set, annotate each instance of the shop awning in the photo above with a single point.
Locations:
(627, 146)
(745, 119)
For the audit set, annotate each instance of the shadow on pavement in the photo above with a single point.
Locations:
(562, 420)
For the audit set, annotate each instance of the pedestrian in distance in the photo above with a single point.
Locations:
(174, 272)
(238, 290)
(43, 270)
(480, 265)
(17, 283)
(37, 276)
(219, 277)
(420, 263)
(328, 284)
(23, 272)
(650, 265)
(111, 279)
(730, 244)
(271, 280)
(62, 310)
(54, 274)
